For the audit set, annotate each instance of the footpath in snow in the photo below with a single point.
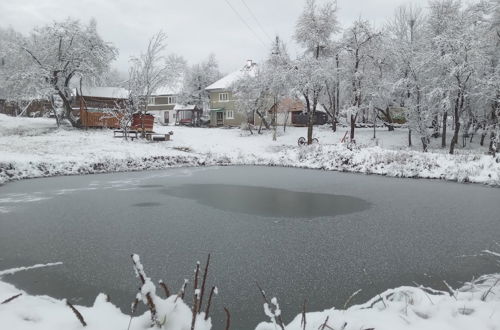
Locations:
(31, 148)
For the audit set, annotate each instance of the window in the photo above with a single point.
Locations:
(223, 97)
(171, 100)
(151, 100)
(229, 114)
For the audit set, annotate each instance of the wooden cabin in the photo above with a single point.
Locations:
(99, 106)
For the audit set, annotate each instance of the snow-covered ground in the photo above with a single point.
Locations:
(474, 306)
(35, 148)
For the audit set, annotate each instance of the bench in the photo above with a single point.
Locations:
(121, 133)
(157, 137)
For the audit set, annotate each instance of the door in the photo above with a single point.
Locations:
(220, 118)
(166, 118)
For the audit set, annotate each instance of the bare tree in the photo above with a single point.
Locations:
(152, 70)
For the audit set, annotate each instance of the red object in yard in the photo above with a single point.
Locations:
(140, 120)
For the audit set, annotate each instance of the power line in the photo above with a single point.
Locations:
(247, 25)
(256, 20)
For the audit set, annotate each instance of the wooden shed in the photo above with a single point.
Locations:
(99, 106)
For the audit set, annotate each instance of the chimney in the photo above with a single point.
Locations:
(249, 63)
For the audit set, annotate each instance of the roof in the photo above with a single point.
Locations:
(104, 92)
(185, 107)
(227, 81)
(289, 104)
(172, 88)
(295, 105)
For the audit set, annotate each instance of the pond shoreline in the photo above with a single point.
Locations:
(478, 169)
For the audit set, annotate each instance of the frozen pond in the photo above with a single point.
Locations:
(301, 234)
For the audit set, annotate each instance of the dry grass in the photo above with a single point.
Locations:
(11, 298)
(77, 313)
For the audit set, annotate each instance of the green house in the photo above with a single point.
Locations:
(222, 104)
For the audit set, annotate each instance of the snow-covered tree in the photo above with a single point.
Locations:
(16, 83)
(314, 31)
(274, 77)
(440, 21)
(330, 97)
(260, 89)
(359, 42)
(196, 79)
(61, 52)
(252, 95)
(410, 61)
(316, 25)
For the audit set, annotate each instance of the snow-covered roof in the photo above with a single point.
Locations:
(227, 81)
(172, 88)
(104, 92)
(319, 107)
(289, 104)
(184, 107)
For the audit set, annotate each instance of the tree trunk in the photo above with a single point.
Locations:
(493, 143)
(56, 115)
(387, 118)
(458, 106)
(353, 126)
(68, 114)
(425, 143)
(483, 136)
(435, 126)
(443, 137)
(409, 138)
(262, 120)
(310, 124)
(454, 140)
(286, 120)
(275, 122)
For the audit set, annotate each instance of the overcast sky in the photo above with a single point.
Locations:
(195, 28)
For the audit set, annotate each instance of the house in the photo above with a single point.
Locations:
(222, 101)
(163, 101)
(293, 112)
(285, 110)
(94, 105)
(223, 111)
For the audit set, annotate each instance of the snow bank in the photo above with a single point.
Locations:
(31, 148)
(474, 306)
(401, 163)
(19, 310)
